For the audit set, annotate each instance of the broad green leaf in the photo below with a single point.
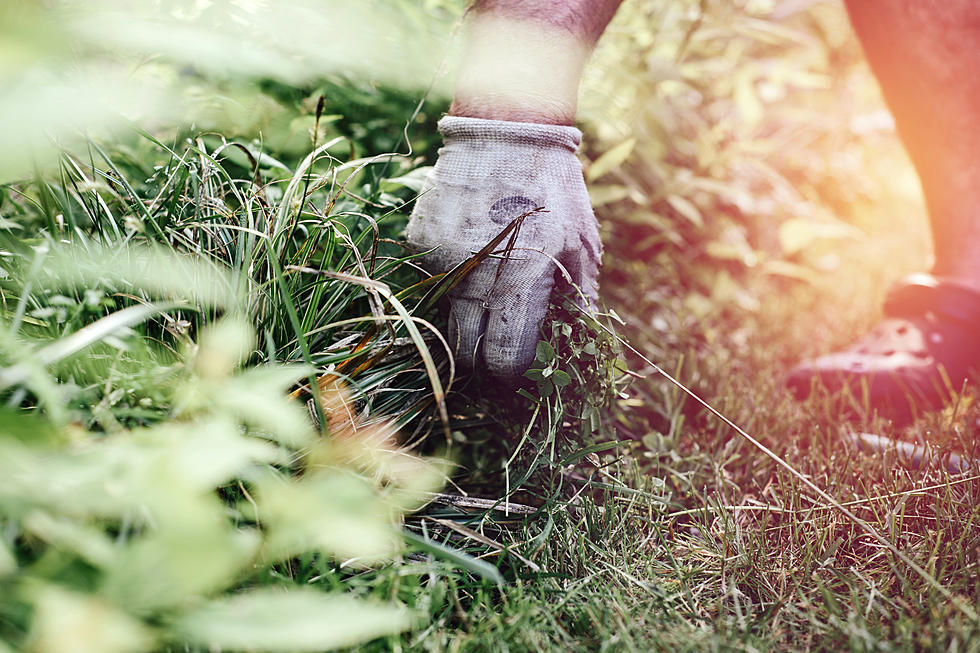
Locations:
(50, 106)
(332, 511)
(611, 159)
(28, 35)
(72, 68)
(28, 428)
(189, 553)
(560, 378)
(8, 564)
(545, 352)
(205, 454)
(207, 44)
(98, 331)
(796, 234)
(67, 622)
(687, 209)
(74, 485)
(155, 271)
(295, 620)
(534, 374)
(140, 472)
(414, 180)
(222, 347)
(72, 535)
(257, 397)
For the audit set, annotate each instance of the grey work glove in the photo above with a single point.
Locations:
(488, 173)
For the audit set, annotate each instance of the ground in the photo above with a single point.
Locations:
(173, 294)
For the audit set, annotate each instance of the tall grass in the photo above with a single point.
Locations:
(151, 267)
(137, 282)
(163, 295)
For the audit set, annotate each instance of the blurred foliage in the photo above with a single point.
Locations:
(70, 67)
(155, 493)
(274, 213)
(737, 140)
(117, 538)
(213, 222)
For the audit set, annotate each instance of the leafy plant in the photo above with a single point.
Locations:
(173, 495)
(116, 538)
(738, 140)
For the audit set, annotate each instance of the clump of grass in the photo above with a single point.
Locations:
(134, 257)
(595, 509)
(683, 534)
(274, 229)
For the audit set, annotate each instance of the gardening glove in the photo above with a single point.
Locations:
(488, 173)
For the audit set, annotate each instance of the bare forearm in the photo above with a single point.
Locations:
(524, 58)
(585, 19)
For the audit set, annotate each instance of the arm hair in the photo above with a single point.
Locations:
(584, 18)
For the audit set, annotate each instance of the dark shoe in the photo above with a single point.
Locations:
(927, 346)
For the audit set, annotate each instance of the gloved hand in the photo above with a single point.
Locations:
(488, 173)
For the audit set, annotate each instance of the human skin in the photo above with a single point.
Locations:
(524, 59)
(926, 56)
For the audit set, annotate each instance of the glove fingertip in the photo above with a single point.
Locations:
(584, 284)
(508, 367)
(467, 325)
(513, 333)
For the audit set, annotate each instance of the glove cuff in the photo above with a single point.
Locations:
(462, 129)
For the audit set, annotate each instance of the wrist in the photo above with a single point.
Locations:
(461, 130)
(520, 71)
(510, 108)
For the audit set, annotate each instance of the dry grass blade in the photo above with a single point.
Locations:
(483, 539)
(438, 392)
(500, 505)
(957, 601)
(84, 337)
(451, 279)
